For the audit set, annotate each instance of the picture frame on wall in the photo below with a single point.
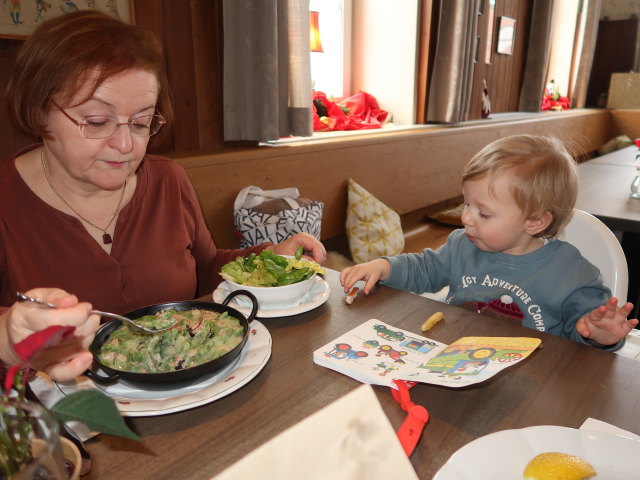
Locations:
(19, 18)
(506, 35)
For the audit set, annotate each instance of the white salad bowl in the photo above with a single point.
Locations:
(271, 298)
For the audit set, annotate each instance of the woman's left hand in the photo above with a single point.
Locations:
(311, 247)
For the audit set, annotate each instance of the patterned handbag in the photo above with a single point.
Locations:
(274, 215)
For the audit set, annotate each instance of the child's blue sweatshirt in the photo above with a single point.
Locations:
(549, 289)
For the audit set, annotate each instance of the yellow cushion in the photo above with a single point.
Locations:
(372, 227)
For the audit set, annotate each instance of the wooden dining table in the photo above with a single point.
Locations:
(604, 191)
(562, 383)
(623, 157)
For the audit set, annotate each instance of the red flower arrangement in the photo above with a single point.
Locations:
(552, 100)
(358, 112)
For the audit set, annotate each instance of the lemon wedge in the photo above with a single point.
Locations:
(558, 466)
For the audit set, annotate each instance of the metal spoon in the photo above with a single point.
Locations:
(25, 298)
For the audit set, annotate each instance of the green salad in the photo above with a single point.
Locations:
(269, 270)
(198, 336)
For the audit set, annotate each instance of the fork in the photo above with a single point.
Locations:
(22, 298)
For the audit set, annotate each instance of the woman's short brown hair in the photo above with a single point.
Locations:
(69, 50)
(542, 172)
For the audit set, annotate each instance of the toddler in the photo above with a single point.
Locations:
(519, 192)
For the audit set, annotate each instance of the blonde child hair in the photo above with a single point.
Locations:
(543, 176)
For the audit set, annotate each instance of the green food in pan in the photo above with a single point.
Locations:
(198, 336)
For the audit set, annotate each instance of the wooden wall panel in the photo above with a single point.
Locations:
(191, 36)
(181, 68)
(207, 26)
(149, 14)
(11, 137)
(624, 122)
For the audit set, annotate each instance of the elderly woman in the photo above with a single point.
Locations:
(88, 211)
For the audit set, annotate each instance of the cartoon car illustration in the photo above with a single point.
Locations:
(510, 357)
(395, 355)
(388, 334)
(466, 367)
(371, 344)
(385, 367)
(344, 350)
(418, 345)
(481, 353)
(460, 359)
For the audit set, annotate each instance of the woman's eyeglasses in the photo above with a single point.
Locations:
(103, 126)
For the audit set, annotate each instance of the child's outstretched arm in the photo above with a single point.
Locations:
(607, 324)
(370, 272)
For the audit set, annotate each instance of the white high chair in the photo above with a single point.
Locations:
(600, 246)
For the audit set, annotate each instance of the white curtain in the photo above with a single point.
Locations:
(452, 76)
(266, 70)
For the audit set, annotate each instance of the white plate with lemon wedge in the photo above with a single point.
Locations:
(505, 454)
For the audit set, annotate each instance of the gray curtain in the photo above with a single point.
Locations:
(452, 76)
(266, 70)
(535, 70)
(579, 94)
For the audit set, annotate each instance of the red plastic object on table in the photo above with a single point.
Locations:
(417, 417)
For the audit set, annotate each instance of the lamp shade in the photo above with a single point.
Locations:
(314, 32)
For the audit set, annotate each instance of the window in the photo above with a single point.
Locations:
(374, 57)
(362, 51)
(330, 69)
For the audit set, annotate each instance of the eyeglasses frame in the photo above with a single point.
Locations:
(80, 125)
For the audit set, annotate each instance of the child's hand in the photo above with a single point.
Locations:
(370, 272)
(607, 324)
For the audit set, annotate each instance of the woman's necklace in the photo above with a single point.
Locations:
(106, 238)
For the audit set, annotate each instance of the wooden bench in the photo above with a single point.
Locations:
(410, 171)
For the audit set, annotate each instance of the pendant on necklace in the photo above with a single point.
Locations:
(106, 239)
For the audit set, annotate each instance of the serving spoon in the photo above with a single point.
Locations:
(22, 298)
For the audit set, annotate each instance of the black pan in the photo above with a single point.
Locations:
(177, 376)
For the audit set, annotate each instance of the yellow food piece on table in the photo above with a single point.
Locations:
(558, 466)
(431, 321)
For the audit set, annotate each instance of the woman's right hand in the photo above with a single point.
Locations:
(65, 360)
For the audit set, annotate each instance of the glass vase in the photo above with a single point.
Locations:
(29, 443)
(635, 186)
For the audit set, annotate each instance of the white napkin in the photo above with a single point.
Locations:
(49, 393)
(600, 426)
(350, 438)
(631, 347)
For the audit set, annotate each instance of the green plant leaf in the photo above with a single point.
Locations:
(96, 410)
